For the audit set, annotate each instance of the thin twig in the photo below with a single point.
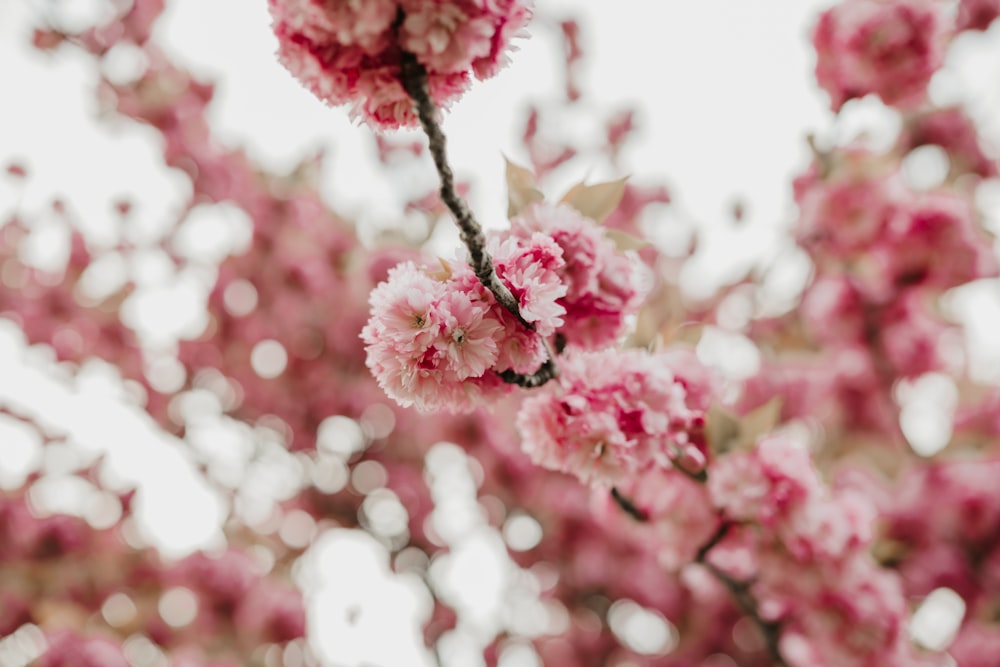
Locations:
(545, 372)
(716, 537)
(628, 506)
(701, 476)
(414, 80)
(743, 597)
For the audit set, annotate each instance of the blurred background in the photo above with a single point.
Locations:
(723, 101)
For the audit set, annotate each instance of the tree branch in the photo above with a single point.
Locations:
(414, 80)
(413, 77)
(742, 596)
(545, 372)
(628, 506)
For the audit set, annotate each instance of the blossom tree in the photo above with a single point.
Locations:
(800, 514)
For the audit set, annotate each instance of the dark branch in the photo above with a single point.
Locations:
(545, 372)
(743, 597)
(628, 506)
(701, 476)
(717, 537)
(414, 80)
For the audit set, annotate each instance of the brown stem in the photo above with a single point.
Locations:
(545, 372)
(716, 537)
(414, 80)
(742, 596)
(628, 506)
(701, 476)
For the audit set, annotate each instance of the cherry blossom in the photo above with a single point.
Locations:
(886, 47)
(614, 414)
(349, 52)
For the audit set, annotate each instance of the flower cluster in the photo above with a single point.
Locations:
(977, 14)
(603, 286)
(950, 544)
(886, 47)
(614, 414)
(956, 133)
(806, 552)
(730, 537)
(439, 339)
(349, 51)
(60, 562)
(889, 238)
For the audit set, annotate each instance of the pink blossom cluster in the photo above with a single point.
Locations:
(437, 339)
(47, 309)
(349, 51)
(57, 565)
(613, 415)
(977, 14)
(910, 336)
(69, 649)
(886, 236)
(806, 552)
(889, 48)
(603, 285)
(953, 130)
(796, 549)
(941, 532)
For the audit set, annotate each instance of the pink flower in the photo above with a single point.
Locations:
(848, 209)
(429, 340)
(857, 617)
(977, 14)
(224, 579)
(603, 285)
(349, 51)
(860, 221)
(469, 342)
(444, 37)
(612, 415)
(766, 485)
(911, 336)
(935, 242)
(977, 644)
(886, 47)
(531, 268)
(953, 130)
(272, 612)
(833, 310)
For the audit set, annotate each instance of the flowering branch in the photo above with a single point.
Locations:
(414, 81)
(738, 590)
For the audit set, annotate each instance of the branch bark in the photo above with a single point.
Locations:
(739, 590)
(743, 597)
(413, 77)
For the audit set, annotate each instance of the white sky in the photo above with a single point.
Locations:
(725, 95)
